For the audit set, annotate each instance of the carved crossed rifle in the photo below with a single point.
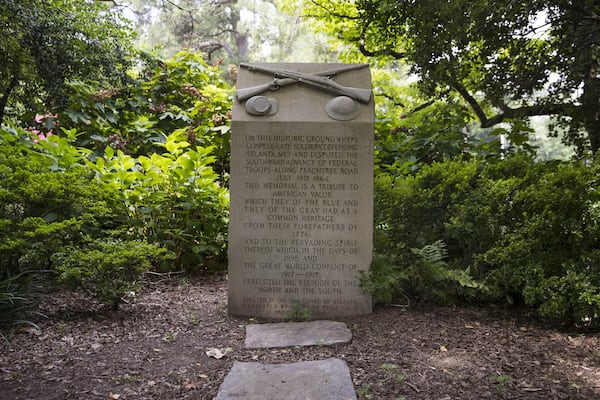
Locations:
(320, 80)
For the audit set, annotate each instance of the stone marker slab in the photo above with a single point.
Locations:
(308, 380)
(288, 334)
(301, 194)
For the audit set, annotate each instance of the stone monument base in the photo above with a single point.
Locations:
(324, 379)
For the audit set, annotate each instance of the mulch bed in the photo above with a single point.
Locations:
(155, 348)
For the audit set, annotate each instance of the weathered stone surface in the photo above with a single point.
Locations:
(289, 334)
(301, 189)
(308, 380)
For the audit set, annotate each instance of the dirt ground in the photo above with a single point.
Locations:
(155, 348)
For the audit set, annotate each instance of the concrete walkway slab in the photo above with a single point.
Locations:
(289, 334)
(308, 380)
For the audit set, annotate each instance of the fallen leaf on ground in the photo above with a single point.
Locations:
(215, 353)
(190, 385)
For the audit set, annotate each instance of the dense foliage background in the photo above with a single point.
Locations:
(114, 160)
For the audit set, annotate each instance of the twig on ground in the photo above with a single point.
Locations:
(413, 387)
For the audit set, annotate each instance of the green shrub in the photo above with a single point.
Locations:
(547, 222)
(432, 280)
(173, 199)
(422, 275)
(17, 296)
(108, 268)
(46, 207)
(181, 93)
(511, 227)
(573, 298)
(385, 280)
(145, 161)
(162, 146)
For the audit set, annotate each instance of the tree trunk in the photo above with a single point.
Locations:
(241, 39)
(243, 46)
(6, 95)
(590, 102)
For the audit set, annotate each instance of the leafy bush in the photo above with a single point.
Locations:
(423, 275)
(526, 230)
(17, 295)
(47, 206)
(430, 278)
(45, 209)
(159, 152)
(573, 298)
(162, 146)
(385, 280)
(108, 268)
(182, 93)
(173, 199)
(58, 216)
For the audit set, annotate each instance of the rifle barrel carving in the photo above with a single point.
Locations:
(320, 80)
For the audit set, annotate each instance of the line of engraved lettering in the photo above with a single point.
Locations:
(332, 139)
(278, 225)
(323, 242)
(292, 250)
(300, 226)
(324, 147)
(269, 265)
(282, 217)
(289, 193)
(285, 170)
(258, 249)
(261, 138)
(258, 170)
(321, 195)
(329, 291)
(269, 146)
(344, 301)
(301, 162)
(267, 154)
(314, 282)
(255, 300)
(284, 138)
(343, 163)
(253, 225)
(262, 162)
(268, 289)
(256, 202)
(303, 274)
(327, 154)
(318, 170)
(261, 281)
(318, 218)
(280, 185)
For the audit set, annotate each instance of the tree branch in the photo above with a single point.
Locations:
(473, 103)
(509, 113)
(331, 12)
(389, 97)
(421, 106)
(378, 53)
(189, 12)
(211, 47)
(177, 6)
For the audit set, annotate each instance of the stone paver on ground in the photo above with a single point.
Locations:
(307, 380)
(290, 334)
